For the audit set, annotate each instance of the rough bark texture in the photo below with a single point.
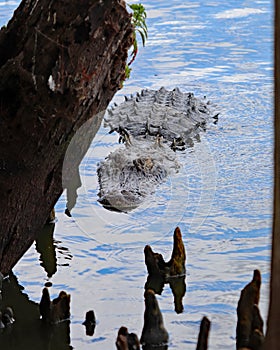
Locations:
(202, 342)
(272, 340)
(61, 62)
(249, 330)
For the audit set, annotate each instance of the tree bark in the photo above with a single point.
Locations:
(61, 62)
(272, 339)
(202, 342)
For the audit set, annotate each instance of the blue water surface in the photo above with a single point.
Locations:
(221, 198)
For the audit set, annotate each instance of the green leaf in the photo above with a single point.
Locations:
(138, 20)
(143, 37)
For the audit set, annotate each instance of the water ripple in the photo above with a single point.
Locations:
(221, 198)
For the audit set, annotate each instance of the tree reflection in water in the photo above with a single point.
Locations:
(172, 272)
(28, 331)
(40, 326)
(45, 247)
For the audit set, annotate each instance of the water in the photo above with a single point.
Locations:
(221, 198)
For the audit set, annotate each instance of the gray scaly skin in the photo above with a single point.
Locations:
(152, 124)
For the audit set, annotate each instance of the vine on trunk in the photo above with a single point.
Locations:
(138, 20)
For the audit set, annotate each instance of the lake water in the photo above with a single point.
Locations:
(221, 198)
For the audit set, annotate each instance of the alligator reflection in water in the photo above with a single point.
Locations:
(151, 124)
(172, 272)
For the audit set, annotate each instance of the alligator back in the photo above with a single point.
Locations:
(153, 124)
(174, 115)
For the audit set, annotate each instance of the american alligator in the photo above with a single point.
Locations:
(152, 125)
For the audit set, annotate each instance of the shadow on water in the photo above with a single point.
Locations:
(47, 325)
(45, 247)
(48, 247)
(29, 331)
(76, 151)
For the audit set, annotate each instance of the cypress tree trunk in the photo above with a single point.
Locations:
(273, 335)
(61, 62)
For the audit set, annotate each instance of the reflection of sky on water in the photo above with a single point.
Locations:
(208, 41)
(221, 198)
